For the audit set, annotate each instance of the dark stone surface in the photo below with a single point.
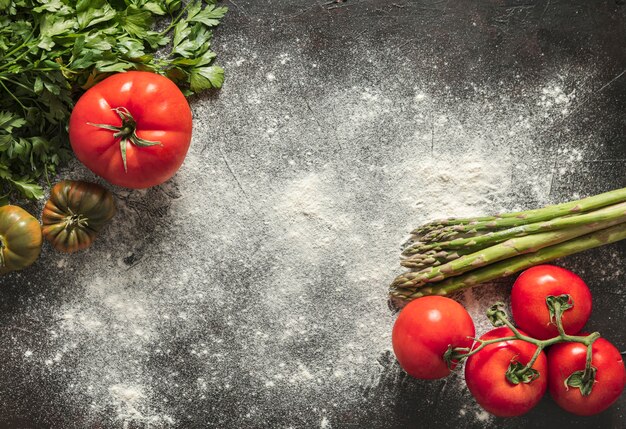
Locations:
(484, 42)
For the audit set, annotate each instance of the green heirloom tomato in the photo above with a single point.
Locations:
(20, 239)
(75, 214)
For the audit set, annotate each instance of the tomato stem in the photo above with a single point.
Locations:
(75, 220)
(531, 362)
(127, 132)
(589, 356)
(557, 305)
(585, 379)
(459, 353)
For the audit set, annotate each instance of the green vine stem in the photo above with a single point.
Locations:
(517, 372)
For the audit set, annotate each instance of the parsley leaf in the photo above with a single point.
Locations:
(210, 16)
(206, 78)
(51, 51)
(28, 188)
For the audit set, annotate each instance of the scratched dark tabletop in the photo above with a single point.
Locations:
(313, 49)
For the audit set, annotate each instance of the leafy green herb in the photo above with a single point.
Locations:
(53, 50)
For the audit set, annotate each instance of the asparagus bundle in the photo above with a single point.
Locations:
(453, 254)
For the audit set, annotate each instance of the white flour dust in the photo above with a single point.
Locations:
(259, 274)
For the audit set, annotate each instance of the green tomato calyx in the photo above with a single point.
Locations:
(518, 373)
(127, 132)
(75, 220)
(583, 380)
(556, 306)
(496, 314)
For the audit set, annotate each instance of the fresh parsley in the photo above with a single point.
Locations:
(53, 50)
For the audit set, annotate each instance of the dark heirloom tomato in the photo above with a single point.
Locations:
(424, 330)
(485, 375)
(20, 239)
(133, 129)
(75, 213)
(610, 376)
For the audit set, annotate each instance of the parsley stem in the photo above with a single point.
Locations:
(14, 50)
(13, 96)
(19, 57)
(45, 167)
(176, 20)
(18, 84)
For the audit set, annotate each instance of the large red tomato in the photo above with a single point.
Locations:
(485, 375)
(424, 330)
(133, 129)
(528, 300)
(610, 377)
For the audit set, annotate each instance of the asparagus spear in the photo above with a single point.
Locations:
(506, 220)
(470, 245)
(433, 258)
(515, 264)
(597, 220)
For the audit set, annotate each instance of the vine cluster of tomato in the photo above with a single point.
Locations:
(134, 130)
(510, 368)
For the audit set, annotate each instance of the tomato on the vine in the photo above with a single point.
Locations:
(425, 329)
(607, 382)
(133, 129)
(528, 301)
(491, 375)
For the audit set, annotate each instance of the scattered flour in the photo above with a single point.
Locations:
(483, 416)
(252, 287)
(130, 407)
(554, 97)
(324, 424)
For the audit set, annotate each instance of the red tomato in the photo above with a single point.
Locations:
(485, 375)
(528, 300)
(133, 129)
(424, 330)
(566, 358)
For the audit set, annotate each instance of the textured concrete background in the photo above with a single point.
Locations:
(250, 291)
